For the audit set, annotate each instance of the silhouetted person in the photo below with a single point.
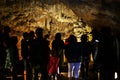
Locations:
(31, 42)
(6, 35)
(46, 58)
(86, 50)
(95, 46)
(31, 39)
(7, 43)
(31, 52)
(25, 51)
(2, 56)
(14, 56)
(106, 57)
(57, 51)
(117, 52)
(57, 47)
(73, 55)
(40, 57)
(25, 46)
(95, 42)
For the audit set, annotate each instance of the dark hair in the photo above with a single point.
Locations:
(58, 36)
(84, 38)
(39, 32)
(31, 34)
(7, 29)
(25, 34)
(72, 39)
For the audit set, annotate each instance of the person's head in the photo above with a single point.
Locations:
(39, 32)
(84, 38)
(58, 36)
(25, 35)
(72, 39)
(31, 34)
(7, 29)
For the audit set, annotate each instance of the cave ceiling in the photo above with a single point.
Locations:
(26, 16)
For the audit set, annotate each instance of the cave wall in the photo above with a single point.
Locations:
(59, 16)
(24, 17)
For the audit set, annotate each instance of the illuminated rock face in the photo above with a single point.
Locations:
(56, 17)
(52, 18)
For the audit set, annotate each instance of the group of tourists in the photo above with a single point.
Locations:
(39, 60)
